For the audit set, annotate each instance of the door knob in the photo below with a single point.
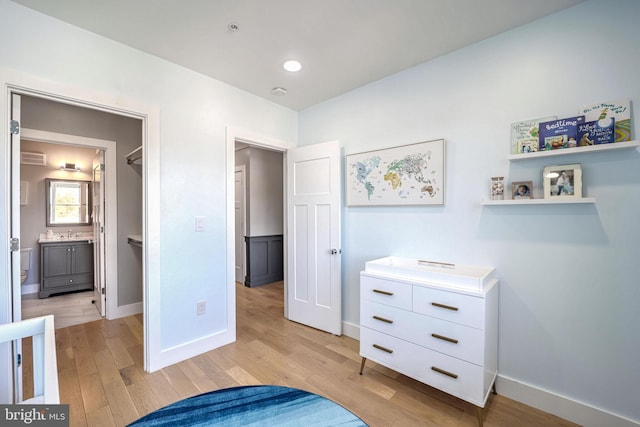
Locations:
(336, 251)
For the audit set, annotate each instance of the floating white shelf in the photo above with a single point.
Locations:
(562, 201)
(577, 150)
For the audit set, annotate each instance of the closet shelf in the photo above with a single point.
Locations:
(576, 150)
(134, 156)
(134, 239)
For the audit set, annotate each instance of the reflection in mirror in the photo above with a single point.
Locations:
(68, 202)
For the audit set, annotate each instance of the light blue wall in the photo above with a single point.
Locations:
(569, 274)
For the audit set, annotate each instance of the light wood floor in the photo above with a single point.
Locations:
(68, 309)
(102, 379)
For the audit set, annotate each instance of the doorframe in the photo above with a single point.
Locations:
(111, 201)
(114, 103)
(233, 135)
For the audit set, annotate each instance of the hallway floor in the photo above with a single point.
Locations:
(69, 309)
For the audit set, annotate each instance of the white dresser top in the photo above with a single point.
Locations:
(467, 277)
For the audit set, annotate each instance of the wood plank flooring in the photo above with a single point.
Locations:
(102, 379)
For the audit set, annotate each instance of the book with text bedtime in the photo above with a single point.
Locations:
(561, 133)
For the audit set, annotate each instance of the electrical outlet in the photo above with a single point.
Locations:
(201, 308)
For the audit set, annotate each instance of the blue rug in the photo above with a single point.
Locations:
(252, 406)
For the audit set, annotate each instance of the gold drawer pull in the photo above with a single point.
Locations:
(448, 307)
(382, 319)
(443, 372)
(378, 291)
(385, 349)
(442, 337)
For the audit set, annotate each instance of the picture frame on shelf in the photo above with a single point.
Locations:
(562, 181)
(522, 190)
(405, 175)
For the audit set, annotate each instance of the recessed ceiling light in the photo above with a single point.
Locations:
(292, 65)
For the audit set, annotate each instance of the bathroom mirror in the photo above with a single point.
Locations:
(68, 202)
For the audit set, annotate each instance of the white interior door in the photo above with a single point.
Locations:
(15, 238)
(314, 291)
(99, 290)
(240, 220)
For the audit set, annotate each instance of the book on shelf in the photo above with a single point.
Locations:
(524, 135)
(596, 132)
(618, 110)
(558, 134)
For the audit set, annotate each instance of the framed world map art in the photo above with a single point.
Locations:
(406, 175)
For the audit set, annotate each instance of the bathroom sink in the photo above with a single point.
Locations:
(460, 276)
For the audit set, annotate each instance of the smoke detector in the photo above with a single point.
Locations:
(278, 91)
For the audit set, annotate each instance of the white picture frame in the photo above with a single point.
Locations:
(562, 181)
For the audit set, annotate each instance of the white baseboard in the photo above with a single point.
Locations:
(194, 348)
(351, 330)
(126, 310)
(562, 406)
(31, 288)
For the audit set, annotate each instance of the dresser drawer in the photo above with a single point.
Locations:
(451, 306)
(451, 375)
(386, 350)
(454, 339)
(384, 291)
(391, 320)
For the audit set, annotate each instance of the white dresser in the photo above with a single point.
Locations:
(434, 322)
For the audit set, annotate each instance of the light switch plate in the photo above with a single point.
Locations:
(201, 308)
(199, 223)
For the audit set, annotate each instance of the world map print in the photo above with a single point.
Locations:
(411, 174)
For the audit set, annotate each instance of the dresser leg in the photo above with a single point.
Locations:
(479, 414)
(364, 359)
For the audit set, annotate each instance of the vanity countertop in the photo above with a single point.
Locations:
(62, 237)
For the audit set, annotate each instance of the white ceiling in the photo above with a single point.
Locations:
(342, 44)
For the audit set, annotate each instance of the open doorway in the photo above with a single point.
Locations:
(55, 215)
(312, 278)
(119, 135)
(259, 215)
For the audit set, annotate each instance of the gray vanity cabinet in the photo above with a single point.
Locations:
(64, 267)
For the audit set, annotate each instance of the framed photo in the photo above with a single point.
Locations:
(563, 181)
(406, 175)
(522, 190)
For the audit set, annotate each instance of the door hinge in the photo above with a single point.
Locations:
(19, 360)
(14, 244)
(103, 291)
(14, 127)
